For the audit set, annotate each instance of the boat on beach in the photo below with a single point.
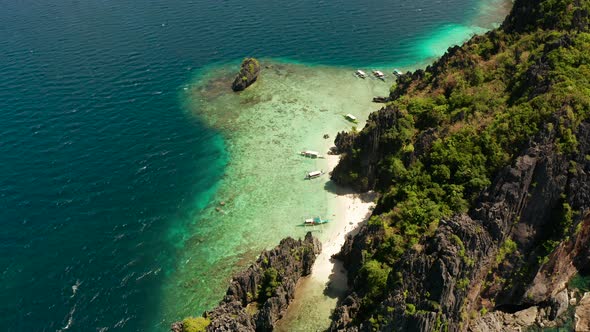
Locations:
(311, 154)
(315, 221)
(379, 74)
(350, 118)
(314, 174)
(397, 73)
(361, 74)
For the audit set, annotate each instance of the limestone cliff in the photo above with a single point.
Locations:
(259, 296)
(482, 161)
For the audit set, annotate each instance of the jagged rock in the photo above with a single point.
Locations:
(248, 74)
(375, 144)
(176, 327)
(504, 322)
(424, 142)
(559, 304)
(245, 307)
(446, 258)
(583, 314)
(537, 206)
(343, 142)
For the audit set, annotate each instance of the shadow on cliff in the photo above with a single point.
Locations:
(334, 188)
(338, 281)
(337, 286)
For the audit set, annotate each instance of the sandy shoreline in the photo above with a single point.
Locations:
(327, 281)
(351, 209)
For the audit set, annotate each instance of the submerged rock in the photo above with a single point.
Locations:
(247, 75)
(258, 297)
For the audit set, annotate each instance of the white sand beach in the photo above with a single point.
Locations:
(320, 290)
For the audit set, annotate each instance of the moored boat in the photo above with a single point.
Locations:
(350, 118)
(315, 221)
(311, 154)
(314, 174)
(379, 74)
(360, 73)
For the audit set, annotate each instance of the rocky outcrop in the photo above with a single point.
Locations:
(259, 296)
(504, 264)
(465, 266)
(247, 75)
(362, 173)
(582, 316)
(527, 15)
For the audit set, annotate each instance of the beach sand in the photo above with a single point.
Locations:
(317, 294)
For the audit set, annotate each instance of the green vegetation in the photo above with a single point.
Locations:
(195, 324)
(375, 275)
(410, 309)
(507, 248)
(463, 283)
(580, 282)
(476, 110)
(269, 284)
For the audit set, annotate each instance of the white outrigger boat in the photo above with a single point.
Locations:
(315, 221)
(311, 154)
(314, 174)
(351, 118)
(379, 74)
(397, 73)
(361, 74)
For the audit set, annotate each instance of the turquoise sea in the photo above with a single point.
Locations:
(118, 140)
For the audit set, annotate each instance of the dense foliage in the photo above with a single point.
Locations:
(463, 119)
(195, 324)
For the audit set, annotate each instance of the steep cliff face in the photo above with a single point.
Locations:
(466, 266)
(482, 162)
(259, 296)
(530, 15)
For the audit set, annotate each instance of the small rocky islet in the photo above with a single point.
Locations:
(481, 161)
(248, 74)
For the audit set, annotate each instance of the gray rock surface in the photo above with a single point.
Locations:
(254, 300)
(248, 74)
(583, 314)
(456, 272)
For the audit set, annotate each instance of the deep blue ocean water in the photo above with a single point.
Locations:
(98, 160)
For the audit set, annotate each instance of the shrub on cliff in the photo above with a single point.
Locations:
(195, 324)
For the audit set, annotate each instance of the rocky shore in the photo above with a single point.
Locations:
(258, 297)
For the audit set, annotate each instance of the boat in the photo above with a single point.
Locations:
(397, 73)
(350, 118)
(314, 174)
(315, 221)
(311, 154)
(379, 74)
(360, 73)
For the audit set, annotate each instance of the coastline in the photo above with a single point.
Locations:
(327, 282)
(287, 110)
(265, 196)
